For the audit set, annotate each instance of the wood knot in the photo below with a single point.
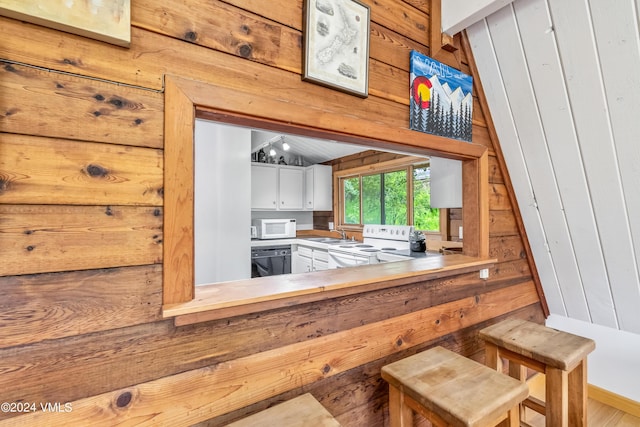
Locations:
(124, 399)
(245, 29)
(68, 61)
(4, 185)
(30, 248)
(191, 36)
(156, 212)
(108, 211)
(97, 171)
(326, 369)
(477, 299)
(118, 103)
(10, 68)
(98, 97)
(138, 121)
(245, 50)
(399, 342)
(437, 321)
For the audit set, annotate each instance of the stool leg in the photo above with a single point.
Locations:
(557, 398)
(514, 416)
(518, 372)
(492, 356)
(400, 415)
(578, 395)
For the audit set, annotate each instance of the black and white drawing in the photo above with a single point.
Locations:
(336, 50)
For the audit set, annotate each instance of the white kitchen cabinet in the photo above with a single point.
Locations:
(320, 260)
(302, 261)
(306, 259)
(318, 195)
(291, 188)
(275, 187)
(264, 186)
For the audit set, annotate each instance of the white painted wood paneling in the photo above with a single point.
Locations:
(585, 86)
(483, 50)
(545, 71)
(562, 79)
(521, 98)
(618, 44)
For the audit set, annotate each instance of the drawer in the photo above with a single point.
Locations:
(305, 251)
(321, 255)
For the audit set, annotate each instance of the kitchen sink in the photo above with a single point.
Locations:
(329, 240)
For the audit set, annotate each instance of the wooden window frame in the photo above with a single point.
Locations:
(187, 99)
(406, 163)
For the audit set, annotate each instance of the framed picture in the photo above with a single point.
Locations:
(441, 99)
(336, 45)
(105, 20)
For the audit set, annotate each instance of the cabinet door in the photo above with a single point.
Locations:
(291, 188)
(319, 265)
(264, 186)
(318, 183)
(300, 263)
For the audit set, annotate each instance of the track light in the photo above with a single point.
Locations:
(285, 146)
(272, 152)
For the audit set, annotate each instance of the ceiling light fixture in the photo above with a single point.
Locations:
(272, 152)
(285, 146)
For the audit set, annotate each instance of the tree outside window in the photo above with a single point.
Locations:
(383, 198)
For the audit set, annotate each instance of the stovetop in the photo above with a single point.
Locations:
(378, 238)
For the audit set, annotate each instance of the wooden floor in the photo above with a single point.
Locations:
(598, 414)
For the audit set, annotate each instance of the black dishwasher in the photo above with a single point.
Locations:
(270, 260)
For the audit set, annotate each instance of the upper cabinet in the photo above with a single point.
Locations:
(264, 186)
(290, 188)
(318, 195)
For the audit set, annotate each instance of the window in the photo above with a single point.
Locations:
(185, 98)
(395, 196)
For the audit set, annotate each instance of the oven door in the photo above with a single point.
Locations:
(344, 260)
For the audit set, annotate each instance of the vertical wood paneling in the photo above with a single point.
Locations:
(489, 70)
(545, 70)
(618, 44)
(563, 79)
(511, 59)
(577, 46)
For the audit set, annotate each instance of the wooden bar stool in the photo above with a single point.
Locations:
(451, 390)
(303, 411)
(561, 356)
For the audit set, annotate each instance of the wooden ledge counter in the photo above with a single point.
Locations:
(228, 299)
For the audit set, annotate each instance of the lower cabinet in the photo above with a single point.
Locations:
(306, 259)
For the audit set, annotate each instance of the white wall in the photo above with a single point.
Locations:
(615, 362)
(562, 79)
(222, 242)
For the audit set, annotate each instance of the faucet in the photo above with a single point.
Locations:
(343, 234)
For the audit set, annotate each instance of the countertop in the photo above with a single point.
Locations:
(227, 299)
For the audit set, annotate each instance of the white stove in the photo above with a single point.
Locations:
(379, 242)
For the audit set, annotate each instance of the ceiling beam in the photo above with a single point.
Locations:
(459, 14)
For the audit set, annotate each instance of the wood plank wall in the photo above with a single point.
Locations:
(81, 212)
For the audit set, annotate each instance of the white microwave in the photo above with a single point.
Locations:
(275, 228)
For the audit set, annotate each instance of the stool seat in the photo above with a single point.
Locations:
(457, 390)
(303, 411)
(561, 356)
(558, 349)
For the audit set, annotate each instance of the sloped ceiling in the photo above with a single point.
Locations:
(310, 150)
(562, 79)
